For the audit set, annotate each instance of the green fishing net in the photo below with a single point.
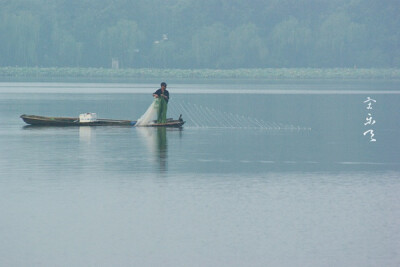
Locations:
(161, 106)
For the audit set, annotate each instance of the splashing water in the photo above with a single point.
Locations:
(205, 117)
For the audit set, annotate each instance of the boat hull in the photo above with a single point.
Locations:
(68, 121)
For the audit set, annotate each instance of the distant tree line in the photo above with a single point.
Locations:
(222, 34)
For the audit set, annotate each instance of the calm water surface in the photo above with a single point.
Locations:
(276, 174)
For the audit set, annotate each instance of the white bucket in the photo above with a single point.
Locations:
(87, 117)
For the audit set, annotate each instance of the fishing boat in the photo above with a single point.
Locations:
(90, 120)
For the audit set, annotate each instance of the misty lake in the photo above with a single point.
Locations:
(261, 174)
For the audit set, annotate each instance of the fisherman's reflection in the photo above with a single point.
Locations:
(156, 142)
(162, 148)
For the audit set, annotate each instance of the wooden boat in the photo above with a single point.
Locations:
(68, 121)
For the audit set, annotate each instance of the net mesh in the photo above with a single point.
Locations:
(150, 115)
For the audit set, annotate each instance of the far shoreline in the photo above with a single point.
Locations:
(147, 75)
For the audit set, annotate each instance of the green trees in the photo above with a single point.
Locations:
(340, 39)
(292, 44)
(200, 34)
(122, 41)
(247, 48)
(210, 45)
(67, 51)
(19, 39)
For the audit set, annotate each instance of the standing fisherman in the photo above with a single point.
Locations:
(162, 96)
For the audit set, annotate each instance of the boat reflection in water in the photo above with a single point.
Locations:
(86, 134)
(147, 146)
(154, 138)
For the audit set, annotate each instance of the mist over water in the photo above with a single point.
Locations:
(274, 175)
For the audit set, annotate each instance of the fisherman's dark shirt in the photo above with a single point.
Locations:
(159, 92)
